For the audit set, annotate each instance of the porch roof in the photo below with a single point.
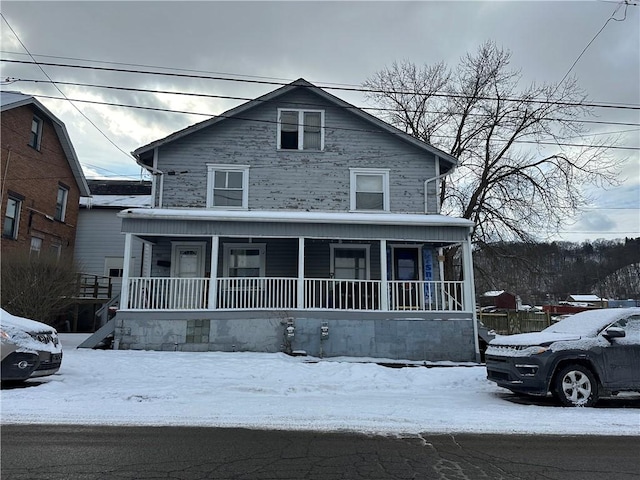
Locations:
(280, 216)
(276, 223)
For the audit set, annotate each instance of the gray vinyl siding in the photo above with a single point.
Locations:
(295, 180)
(98, 237)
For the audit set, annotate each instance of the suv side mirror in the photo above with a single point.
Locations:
(614, 332)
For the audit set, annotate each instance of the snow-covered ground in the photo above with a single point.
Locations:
(276, 391)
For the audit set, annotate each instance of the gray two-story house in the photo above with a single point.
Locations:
(297, 222)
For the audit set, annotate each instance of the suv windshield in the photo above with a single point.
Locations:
(586, 323)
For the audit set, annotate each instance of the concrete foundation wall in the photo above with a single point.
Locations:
(411, 336)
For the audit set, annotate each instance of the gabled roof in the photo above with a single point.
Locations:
(145, 150)
(11, 100)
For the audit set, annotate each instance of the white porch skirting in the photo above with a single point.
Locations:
(268, 293)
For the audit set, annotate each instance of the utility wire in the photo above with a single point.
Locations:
(227, 97)
(57, 88)
(354, 89)
(236, 117)
(612, 17)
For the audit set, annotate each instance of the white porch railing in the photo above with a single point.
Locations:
(268, 293)
(257, 293)
(165, 293)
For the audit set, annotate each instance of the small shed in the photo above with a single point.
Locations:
(499, 299)
(587, 300)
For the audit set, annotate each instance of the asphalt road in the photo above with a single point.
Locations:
(81, 452)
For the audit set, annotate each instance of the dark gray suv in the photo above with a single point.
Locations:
(579, 359)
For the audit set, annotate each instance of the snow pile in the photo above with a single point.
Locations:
(276, 391)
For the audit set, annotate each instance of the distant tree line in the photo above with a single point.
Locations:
(542, 273)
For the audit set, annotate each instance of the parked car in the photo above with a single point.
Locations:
(578, 360)
(28, 348)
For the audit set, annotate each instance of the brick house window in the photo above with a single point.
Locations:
(36, 133)
(36, 246)
(11, 218)
(300, 129)
(61, 203)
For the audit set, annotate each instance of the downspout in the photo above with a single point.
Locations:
(439, 176)
(155, 188)
(6, 169)
(155, 171)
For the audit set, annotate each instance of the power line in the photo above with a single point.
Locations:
(236, 117)
(57, 88)
(227, 97)
(326, 87)
(612, 17)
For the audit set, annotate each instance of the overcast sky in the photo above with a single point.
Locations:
(327, 43)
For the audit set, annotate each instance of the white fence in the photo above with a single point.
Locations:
(162, 293)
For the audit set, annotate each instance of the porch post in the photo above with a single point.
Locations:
(469, 290)
(384, 293)
(213, 275)
(301, 302)
(126, 268)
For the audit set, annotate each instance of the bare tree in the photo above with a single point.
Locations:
(509, 182)
(37, 287)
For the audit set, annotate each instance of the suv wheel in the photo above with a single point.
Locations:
(576, 386)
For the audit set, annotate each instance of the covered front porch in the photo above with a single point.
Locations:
(243, 271)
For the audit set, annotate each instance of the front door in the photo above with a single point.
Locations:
(406, 274)
(187, 262)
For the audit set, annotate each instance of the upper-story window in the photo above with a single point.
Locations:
(369, 189)
(300, 129)
(228, 186)
(11, 218)
(61, 203)
(36, 133)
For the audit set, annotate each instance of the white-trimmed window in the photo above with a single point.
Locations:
(300, 129)
(369, 189)
(61, 203)
(350, 261)
(36, 246)
(36, 133)
(114, 267)
(244, 259)
(228, 186)
(11, 218)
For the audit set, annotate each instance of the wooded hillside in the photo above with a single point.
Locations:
(548, 272)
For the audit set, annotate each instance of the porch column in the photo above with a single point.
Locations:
(213, 275)
(126, 268)
(469, 290)
(301, 302)
(384, 293)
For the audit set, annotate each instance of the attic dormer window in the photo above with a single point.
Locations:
(300, 129)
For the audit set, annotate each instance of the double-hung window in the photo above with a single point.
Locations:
(61, 203)
(244, 260)
(36, 246)
(228, 186)
(350, 262)
(300, 129)
(11, 218)
(36, 133)
(369, 189)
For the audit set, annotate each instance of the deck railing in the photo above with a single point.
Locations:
(269, 293)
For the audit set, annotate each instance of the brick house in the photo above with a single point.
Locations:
(42, 180)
